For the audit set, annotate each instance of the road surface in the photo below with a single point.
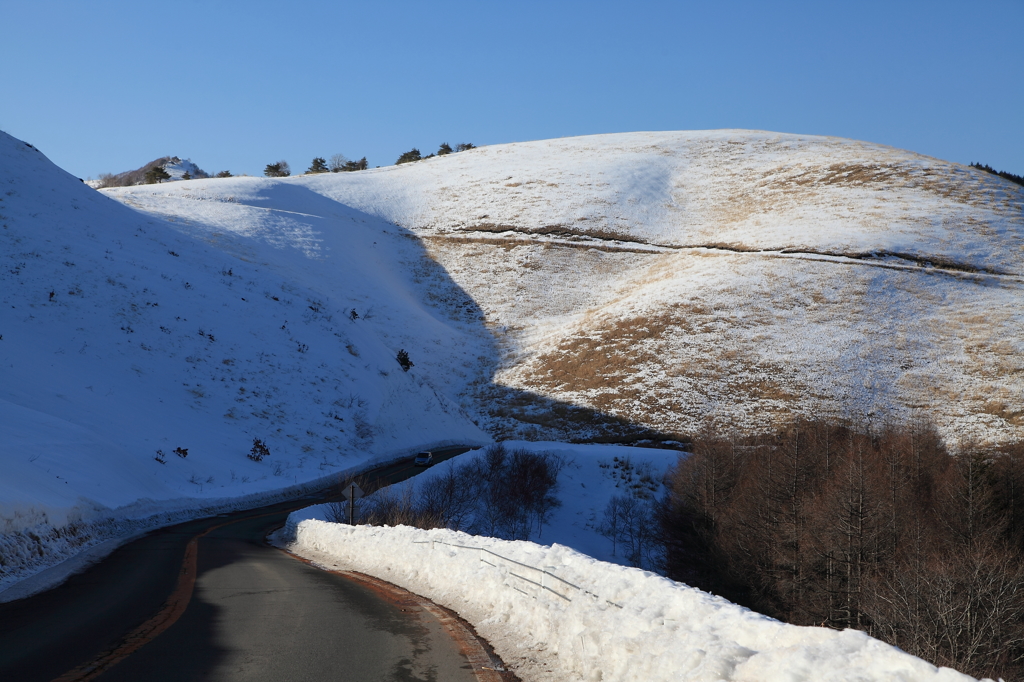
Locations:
(243, 611)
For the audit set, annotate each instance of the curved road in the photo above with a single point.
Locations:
(243, 611)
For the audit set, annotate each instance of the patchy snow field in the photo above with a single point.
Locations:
(668, 279)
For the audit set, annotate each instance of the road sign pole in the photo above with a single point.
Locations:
(351, 493)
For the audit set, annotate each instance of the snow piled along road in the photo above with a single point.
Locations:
(621, 624)
(554, 613)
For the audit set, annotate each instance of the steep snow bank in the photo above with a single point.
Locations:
(577, 618)
(124, 337)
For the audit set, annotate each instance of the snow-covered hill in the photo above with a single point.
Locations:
(175, 167)
(124, 337)
(667, 279)
(598, 286)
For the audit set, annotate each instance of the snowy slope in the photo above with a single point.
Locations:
(591, 475)
(658, 280)
(123, 334)
(668, 279)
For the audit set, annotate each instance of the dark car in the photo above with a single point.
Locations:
(424, 459)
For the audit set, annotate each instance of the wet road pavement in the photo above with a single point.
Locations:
(251, 612)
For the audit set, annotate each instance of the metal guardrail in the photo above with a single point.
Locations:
(543, 572)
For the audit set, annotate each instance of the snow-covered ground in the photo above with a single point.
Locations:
(554, 613)
(658, 279)
(590, 476)
(672, 278)
(125, 337)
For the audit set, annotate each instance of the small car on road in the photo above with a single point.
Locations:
(424, 459)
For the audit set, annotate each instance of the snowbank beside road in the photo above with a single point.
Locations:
(596, 621)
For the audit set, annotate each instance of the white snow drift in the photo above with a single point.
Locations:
(577, 618)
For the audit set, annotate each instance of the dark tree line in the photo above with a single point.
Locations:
(1003, 174)
(884, 531)
(445, 149)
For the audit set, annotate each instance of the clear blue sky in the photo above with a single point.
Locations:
(107, 86)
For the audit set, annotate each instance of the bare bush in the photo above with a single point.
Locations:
(396, 505)
(508, 494)
(450, 498)
(630, 523)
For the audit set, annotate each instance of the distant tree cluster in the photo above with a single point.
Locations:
(445, 149)
(340, 164)
(1003, 174)
(879, 530)
(409, 156)
(281, 169)
(156, 174)
(319, 165)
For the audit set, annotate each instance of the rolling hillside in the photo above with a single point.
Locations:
(665, 280)
(124, 338)
(611, 287)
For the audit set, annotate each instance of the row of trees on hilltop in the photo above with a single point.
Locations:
(1003, 174)
(880, 530)
(339, 163)
(445, 149)
(155, 171)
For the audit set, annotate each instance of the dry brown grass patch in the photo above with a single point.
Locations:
(1004, 411)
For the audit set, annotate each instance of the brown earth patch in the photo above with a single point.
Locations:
(1003, 411)
(637, 369)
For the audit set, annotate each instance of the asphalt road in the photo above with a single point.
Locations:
(254, 613)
